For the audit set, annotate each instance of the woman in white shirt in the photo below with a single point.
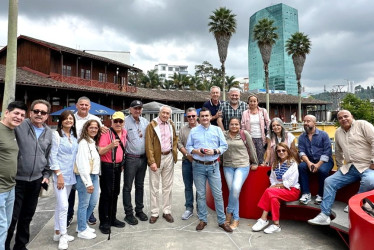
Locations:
(276, 135)
(62, 157)
(284, 186)
(256, 121)
(87, 174)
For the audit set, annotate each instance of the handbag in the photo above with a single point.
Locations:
(244, 139)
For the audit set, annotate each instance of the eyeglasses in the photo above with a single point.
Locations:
(117, 121)
(191, 116)
(37, 111)
(281, 150)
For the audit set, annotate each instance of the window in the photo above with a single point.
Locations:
(163, 68)
(86, 74)
(66, 70)
(115, 79)
(176, 69)
(170, 69)
(102, 77)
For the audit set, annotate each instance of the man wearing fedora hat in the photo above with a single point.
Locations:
(135, 162)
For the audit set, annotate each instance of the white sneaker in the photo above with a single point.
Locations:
(56, 237)
(320, 219)
(63, 242)
(92, 230)
(318, 200)
(186, 215)
(346, 209)
(305, 199)
(260, 224)
(272, 229)
(86, 234)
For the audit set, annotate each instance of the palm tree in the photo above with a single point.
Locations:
(151, 79)
(222, 24)
(298, 45)
(264, 34)
(232, 83)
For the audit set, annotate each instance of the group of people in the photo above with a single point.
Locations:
(86, 156)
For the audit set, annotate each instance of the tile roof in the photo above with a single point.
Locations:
(58, 47)
(30, 78)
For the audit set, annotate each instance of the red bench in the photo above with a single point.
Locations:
(258, 181)
(362, 224)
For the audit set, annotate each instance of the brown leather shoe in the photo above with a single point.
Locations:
(153, 219)
(168, 218)
(201, 226)
(226, 227)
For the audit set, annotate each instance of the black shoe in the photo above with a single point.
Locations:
(118, 224)
(92, 220)
(142, 216)
(104, 228)
(130, 218)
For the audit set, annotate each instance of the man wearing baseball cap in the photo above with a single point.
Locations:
(135, 162)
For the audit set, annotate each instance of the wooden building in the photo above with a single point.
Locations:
(61, 75)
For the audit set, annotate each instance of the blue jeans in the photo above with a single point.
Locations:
(339, 180)
(6, 211)
(86, 201)
(202, 173)
(187, 175)
(323, 172)
(235, 178)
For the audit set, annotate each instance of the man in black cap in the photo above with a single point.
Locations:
(135, 163)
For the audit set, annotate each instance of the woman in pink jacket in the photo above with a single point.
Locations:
(256, 121)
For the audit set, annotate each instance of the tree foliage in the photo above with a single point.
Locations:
(360, 109)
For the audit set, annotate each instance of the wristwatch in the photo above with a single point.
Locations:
(186, 154)
(372, 161)
(58, 173)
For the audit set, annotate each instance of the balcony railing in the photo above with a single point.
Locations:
(93, 83)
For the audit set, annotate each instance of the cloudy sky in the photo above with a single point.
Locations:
(176, 32)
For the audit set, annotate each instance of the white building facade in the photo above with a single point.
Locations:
(166, 71)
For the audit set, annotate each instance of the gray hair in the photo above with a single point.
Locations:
(83, 98)
(234, 89)
(166, 106)
(215, 87)
(191, 110)
(41, 101)
(274, 135)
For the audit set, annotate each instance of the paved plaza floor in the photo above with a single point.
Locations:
(182, 234)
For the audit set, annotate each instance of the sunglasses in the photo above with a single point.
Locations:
(191, 116)
(118, 121)
(281, 150)
(37, 111)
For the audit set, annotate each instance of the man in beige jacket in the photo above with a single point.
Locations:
(161, 150)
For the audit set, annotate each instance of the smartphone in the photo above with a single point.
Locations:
(45, 186)
(312, 168)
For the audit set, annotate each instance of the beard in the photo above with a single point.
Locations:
(308, 129)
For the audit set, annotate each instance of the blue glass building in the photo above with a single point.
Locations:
(281, 69)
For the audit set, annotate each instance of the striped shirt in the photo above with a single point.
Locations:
(280, 170)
